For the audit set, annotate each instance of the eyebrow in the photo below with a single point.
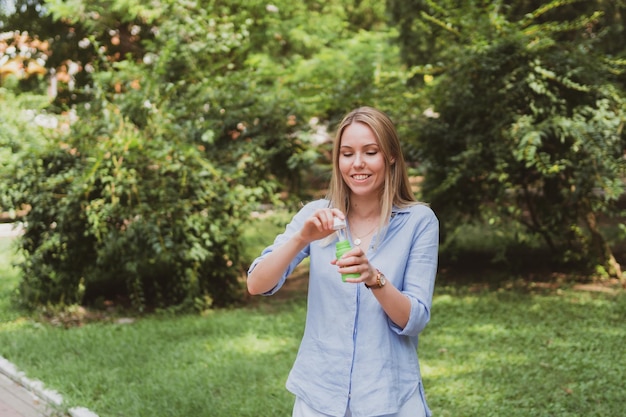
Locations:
(369, 145)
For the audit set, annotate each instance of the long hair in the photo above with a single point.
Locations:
(397, 189)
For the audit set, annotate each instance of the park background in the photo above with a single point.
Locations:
(152, 150)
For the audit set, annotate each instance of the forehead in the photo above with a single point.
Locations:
(358, 134)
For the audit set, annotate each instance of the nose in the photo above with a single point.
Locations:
(359, 161)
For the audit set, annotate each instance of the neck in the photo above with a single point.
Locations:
(364, 209)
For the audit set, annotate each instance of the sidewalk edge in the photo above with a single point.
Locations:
(37, 388)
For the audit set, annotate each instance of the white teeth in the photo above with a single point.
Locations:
(360, 177)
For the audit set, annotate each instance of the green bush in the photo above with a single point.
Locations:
(142, 200)
(527, 120)
(187, 114)
(120, 213)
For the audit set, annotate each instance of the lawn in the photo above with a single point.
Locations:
(519, 353)
(518, 350)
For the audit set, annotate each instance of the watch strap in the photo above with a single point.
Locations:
(379, 281)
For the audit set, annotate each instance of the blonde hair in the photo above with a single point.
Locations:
(397, 189)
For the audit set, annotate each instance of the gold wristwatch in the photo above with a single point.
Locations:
(380, 281)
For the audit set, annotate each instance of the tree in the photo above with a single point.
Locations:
(528, 100)
(144, 197)
(186, 115)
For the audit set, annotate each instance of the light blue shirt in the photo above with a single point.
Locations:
(351, 352)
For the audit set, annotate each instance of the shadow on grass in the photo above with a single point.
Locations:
(513, 353)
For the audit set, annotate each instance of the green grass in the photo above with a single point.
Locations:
(509, 352)
(512, 353)
(221, 364)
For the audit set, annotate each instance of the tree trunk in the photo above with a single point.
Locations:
(602, 248)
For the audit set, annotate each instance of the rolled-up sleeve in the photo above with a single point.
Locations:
(293, 227)
(420, 274)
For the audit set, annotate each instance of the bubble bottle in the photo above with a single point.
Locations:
(342, 246)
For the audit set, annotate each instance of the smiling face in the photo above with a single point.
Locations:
(361, 162)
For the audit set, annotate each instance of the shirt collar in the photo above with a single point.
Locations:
(395, 210)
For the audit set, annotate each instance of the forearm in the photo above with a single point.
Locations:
(396, 305)
(267, 273)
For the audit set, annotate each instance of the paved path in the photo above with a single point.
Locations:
(17, 401)
(24, 397)
(20, 396)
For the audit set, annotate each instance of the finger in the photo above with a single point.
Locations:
(352, 261)
(325, 217)
(317, 223)
(351, 269)
(330, 218)
(338, 213)
(356, 252)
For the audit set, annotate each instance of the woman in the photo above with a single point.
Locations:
(358, 355)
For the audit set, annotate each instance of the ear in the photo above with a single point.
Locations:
(392, 161)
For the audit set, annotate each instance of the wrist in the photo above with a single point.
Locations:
(378, 282)
(299, 241)
(372, 282)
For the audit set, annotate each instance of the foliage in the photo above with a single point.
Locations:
(261, 229)
(23, 123)
(528, 118)
(122, 212)
(364, 68)
(186, 115)
(9, 278)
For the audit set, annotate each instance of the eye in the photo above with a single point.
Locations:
(347, 154)
(371, 153)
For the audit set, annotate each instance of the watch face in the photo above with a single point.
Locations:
(383, 280)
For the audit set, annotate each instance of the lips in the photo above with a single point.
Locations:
(360, 177)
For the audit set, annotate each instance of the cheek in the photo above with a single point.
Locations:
(379, 166)
(344, 166)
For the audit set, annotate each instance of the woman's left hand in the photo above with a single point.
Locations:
(355, 262)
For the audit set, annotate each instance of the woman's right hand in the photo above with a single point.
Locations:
(268, 272)
(320, 224)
